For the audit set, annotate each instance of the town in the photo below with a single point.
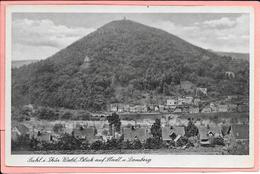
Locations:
(183, 123)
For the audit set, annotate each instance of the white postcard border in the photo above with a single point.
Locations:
(175, 161)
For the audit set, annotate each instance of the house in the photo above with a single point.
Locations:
(171, 102)
(194, 110)
(113, 108)
(19, 130)
(132, 109)
(171, 108)
(232, 108)
(230, 74)
(144, 108)
(161, 108)
(201, 92)
(132, 133)
(216, 130)
(150, 108)
(86, 63)
(122, 108)
(196, 101)
(156, 108)
(213, 107)
(225, 129)
(170, 133)
(206, 109)
(126, 108)
(188, 100)
(84, 133)
(240, 132)
(44, 136)
(181, 101)
(185, 109)
(167, 133)
(222, 108)
(187, 86)
(205, 136)
(140, 108)
(232, 97)
(178, 110)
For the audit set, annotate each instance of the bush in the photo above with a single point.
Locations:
(219, 141)
(85, 145)
(137, 144)
(191, 130)
(84, 116)
(22, 143)
(240, 148)
(67, 116)
(97, 145)
(127, 145)
(68, 142)
(34, 144)
(19, 114)
(57, 128)
(153, 143)
(111, 144)
(47, 113)
(181, 142)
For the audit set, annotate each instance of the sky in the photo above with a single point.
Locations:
(40, 35)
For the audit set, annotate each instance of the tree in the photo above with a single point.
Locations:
(67, 116)
(57, 128)
(156, 129)
(97, 145)
(114, 120)
(152, 143)
(137, 144)
(69, 142)
(47, 113)
(22, 143)
(191, 130)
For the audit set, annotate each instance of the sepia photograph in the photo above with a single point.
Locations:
(130, 82)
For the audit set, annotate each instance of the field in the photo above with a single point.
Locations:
(218, 150)
(141, 116)
(206, 151)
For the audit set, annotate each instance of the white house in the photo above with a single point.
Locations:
(171, 102)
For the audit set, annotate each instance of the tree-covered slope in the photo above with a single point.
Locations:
(118, 63)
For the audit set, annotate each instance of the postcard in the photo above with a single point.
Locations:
(139, 85)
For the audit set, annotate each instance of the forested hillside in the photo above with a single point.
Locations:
(19, 63)
(121, 62)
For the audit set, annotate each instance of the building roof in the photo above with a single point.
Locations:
(140, 133)
(167, 132)
(179, 130)
(88, 133)
(215, 129)
(44, 136)
(240, 131)
(222, 106)
(201, 90)
(203, 133)
(22, 128)
(186, 84)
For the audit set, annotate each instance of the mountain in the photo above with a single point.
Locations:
(19, 63)
(241, 56)
(126, 62)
